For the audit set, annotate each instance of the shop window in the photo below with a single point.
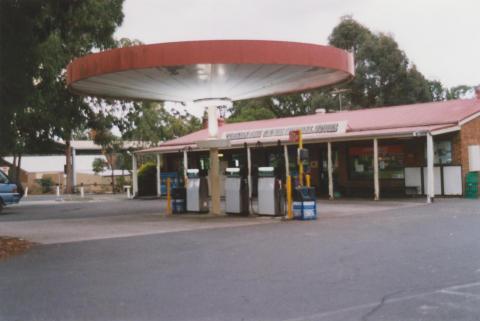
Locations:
(334, 162)
(236, 161)
(443, 152)
(204, 163)
(390, 162)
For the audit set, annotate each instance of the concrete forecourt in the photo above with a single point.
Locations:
(399, 260)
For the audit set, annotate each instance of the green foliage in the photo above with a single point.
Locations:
(17, 63)
(99, 165)
(124, 160)
(458, 92)
(384, 76)
(46, 183)
(33, 88)
(253, 109)
(121, 182)
(111, 148)
(147, 179)
(153, 123)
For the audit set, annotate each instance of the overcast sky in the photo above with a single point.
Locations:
(442, 37)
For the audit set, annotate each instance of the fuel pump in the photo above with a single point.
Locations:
(197, 191)
(236, 192)
(270, 193)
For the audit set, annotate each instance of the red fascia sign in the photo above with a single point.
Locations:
(294, 135)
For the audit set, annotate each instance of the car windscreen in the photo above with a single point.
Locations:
(3, 178)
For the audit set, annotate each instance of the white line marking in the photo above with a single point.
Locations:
(394, 300)
(463, 286)
(465, 294)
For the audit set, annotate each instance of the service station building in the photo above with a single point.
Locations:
(423, 149)
(372, 153)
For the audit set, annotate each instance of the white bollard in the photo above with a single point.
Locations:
(58, 191)
(82, 192)
(127, 189)
(26, 193)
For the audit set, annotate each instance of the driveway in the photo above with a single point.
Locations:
(396, 264)
(49, 221)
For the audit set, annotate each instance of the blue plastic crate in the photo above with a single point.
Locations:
(178, 206)
(306, 210)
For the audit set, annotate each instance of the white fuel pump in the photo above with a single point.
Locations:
(197, 192)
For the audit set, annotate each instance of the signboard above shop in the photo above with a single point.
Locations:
(294, 136)
(314, 130)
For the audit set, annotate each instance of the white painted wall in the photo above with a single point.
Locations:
(474, 158)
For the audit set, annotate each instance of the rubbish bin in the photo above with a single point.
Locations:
(178, 200)
(471, 185)
(304, 203)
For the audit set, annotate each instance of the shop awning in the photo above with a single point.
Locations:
(397, 121)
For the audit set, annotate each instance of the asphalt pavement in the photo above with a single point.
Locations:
(397, 263)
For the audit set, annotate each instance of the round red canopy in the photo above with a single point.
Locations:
(194, 70)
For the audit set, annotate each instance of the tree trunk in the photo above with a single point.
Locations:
(113, 180)
(68, 155)
(13, 172)
(17, 171)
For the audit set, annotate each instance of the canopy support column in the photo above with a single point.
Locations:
(134, 175)
(376, 177)
(159, 182)
(215, 181)
(287, 162)
(249, 173)
(430, 178)
(330, 170)
(185, 166)
(214, 143)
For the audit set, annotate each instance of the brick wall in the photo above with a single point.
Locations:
(469, 135)
(457, 149)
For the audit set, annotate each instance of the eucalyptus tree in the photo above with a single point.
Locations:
(39, 39)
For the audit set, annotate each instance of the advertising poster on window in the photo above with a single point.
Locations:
(390, 162)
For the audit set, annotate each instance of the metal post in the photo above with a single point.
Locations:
(134, 175)
(289, 198)
(159, 185)
(330, 170)
(249, 173)
(299, 161)
(74, 170)
(288, 183)
(307, 180)
(430, 174)
(169, 198)
(376, 177)
(185, 167)
(287, 162)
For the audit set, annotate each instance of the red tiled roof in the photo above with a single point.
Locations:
(365, 122)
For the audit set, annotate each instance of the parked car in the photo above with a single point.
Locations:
(10, 193)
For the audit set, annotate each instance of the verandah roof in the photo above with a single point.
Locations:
(393, 121)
